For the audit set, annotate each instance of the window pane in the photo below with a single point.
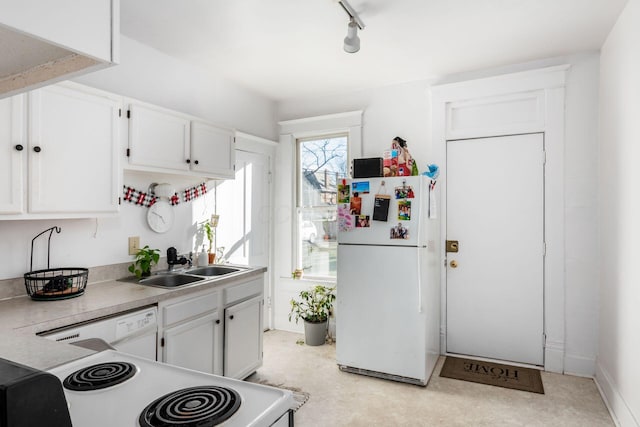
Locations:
(318, 245)
(322, 163)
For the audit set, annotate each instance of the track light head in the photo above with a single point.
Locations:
(352, 41)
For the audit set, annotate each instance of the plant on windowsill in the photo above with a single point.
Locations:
(314, 307)
(145, 259)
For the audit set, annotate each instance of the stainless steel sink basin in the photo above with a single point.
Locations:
(170, 280)
(213, 270)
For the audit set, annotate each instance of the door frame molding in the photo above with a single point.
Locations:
(539, 96)
(258, 145)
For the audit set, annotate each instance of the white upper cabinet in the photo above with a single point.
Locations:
(73, 150)
(68, 167)
(212, 150)
(162, 140)
(45, 41)
(12, 159)
(158, 137)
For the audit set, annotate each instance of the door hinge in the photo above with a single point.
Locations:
(161, 342)
(128, 152)
(128, 114)
(544, 340)
(544, 157)
(544, 248)
(119, 112)
(119, 200)
(270, 175)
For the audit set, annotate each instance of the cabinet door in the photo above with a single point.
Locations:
(212, 150)
(196, 344)
(158, 137)
(12, 160)
(73, 147)
(243, 338)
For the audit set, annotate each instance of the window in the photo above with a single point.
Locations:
(321, 165)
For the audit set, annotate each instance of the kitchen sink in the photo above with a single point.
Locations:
(170, 280)
(213, 270)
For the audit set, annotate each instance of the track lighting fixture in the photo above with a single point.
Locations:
(352, 41)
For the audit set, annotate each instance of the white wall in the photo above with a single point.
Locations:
(618, 371)
(150, 76)
(403, 110)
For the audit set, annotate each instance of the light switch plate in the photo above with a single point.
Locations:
(134, 245)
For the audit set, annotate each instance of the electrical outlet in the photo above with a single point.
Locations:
(134, 245)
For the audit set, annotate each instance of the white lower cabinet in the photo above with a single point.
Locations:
(191, 332)
(243, 338)
(216, 331)
(195, 344)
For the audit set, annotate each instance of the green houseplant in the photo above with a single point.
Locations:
(145, 259)
(314, 307)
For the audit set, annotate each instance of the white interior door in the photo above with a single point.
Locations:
(244, 207)
(495, 210)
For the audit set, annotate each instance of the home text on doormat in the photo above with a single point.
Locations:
(515, 377)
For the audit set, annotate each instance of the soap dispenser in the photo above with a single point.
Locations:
(203, 258)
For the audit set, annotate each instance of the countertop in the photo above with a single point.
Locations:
(21, 318)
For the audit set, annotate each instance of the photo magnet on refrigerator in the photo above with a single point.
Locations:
(345, 219)
(404, 210)
(343, 193)
(399, 232)
(361, 187)
(356, 204)
(362, 221)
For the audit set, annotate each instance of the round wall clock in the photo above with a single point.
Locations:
(160, 216)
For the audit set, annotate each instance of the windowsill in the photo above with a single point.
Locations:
(311, 279)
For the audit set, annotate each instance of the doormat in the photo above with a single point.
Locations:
(508, 376)
(299, 396)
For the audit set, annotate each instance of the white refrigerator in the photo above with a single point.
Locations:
(388, 273)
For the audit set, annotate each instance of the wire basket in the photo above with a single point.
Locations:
(56, 283)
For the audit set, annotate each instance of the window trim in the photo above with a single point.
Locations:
(349, 123)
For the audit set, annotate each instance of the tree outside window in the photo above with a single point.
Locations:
(322, 164)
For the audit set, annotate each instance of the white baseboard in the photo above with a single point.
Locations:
(620, 412)
(579, 365)
(554, 357)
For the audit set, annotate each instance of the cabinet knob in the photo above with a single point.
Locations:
(231, 317)
(188, 160)
(196, 162)
(218, 322)
(37, 149)
(19, 147)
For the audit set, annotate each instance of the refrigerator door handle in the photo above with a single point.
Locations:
(419, 284)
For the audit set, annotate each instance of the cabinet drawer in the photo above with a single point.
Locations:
(243, 291)
(188, 308)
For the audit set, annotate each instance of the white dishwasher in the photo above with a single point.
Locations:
(133, 332)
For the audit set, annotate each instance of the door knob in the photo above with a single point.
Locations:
(454, 264)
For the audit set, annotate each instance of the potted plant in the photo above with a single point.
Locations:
(145, 259)
(314, 307)
(209, 228)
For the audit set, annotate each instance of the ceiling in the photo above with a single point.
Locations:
(287, 49)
